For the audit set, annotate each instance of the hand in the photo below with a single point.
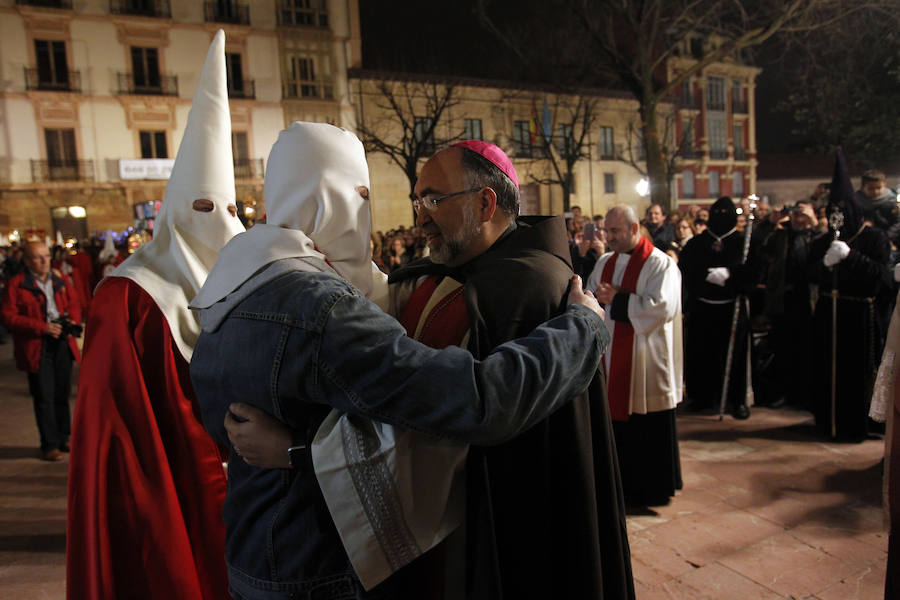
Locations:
(54, 330)
(897, 272)
(577, 295)
(718, 275)
(837, 252)
(261, 440)
(606, 292)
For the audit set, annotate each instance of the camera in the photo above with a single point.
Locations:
(68, 327)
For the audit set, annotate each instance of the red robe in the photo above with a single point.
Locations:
(146, 483)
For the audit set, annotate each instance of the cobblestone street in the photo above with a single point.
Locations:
(768, 511)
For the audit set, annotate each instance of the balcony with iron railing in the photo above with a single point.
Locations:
(718, 153)
(141, 8)
(64, 170)
(64, 4)
(296, 17)
(715, 104)
(689, 101)
(163, 85)
(227, 12)
(739, 106)
(245, 89)
(528, 150)
(60, 81)
(691, 153)
(740, 154)
(311, 90)
(249, 168)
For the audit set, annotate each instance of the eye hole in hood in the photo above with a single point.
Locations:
(203, 205)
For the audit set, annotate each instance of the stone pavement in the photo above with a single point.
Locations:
(769, 511)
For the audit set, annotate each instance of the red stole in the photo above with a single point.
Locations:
(622, 349)
(436, 313)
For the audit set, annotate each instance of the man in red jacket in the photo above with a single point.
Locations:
(36, 307)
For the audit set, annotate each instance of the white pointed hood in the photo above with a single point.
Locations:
(313, 209)
(173, 266)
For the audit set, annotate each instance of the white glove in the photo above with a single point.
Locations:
(897, 272)
(837, 252)
(718, 275)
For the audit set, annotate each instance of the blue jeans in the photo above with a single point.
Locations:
(336, 587)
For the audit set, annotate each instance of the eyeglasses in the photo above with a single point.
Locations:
(431, 202)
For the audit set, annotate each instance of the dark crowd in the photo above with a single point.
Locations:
(782, 336)
(763, 314)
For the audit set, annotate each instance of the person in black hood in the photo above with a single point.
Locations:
(849, 263)
(788, 309)
(716, 275)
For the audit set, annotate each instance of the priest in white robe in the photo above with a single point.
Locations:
(641, 288)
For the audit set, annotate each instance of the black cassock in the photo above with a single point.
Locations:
(863, 310)
(709, 311)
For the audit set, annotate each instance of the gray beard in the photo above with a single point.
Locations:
(457, 244)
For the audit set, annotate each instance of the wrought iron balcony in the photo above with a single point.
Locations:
(66, 4)
(718, 154)
(61, 81)
(164, 85)
(739, 106)
(65, 170)
(691, 153)
(245, 89)
(296, 17)
(715, 104)
(141, 8)
(249, 168)
(689, 101)
(307, 89)
(227, 12)
(740, 154)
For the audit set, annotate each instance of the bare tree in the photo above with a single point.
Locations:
(562, 137)
(675, 145)
(630, 43)
(401, 117)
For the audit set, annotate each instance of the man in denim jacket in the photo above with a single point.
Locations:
(295, 335)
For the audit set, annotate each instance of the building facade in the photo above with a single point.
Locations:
(715, 125)
(95, 97)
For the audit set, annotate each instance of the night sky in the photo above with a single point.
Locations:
(444, 37)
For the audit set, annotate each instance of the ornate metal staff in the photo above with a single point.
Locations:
(735, 317)
(835, 221)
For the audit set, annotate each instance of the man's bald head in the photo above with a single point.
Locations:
(623, 230)
(37, 259)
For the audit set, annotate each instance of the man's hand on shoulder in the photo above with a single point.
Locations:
(260, 439)
(577, 295)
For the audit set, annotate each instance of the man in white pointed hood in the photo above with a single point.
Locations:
(146, 483)
(290, 327)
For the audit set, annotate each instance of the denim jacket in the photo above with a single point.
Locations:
(296, 340)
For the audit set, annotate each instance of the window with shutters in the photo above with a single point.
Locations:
(153, 144)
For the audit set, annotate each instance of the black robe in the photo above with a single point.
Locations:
(788, 310)
(545, 514)
(863, 310)
(709, 313)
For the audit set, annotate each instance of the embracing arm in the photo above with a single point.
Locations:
(368, 366)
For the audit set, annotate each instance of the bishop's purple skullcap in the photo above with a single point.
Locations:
(494, 154)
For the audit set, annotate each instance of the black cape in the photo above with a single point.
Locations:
(709, 312)
(545, 515)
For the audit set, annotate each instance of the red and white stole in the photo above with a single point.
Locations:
(622, 349)
(436, 313)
